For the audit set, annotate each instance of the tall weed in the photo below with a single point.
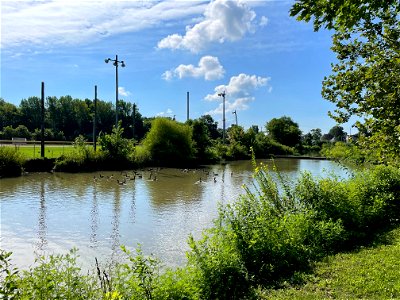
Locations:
(11, 162)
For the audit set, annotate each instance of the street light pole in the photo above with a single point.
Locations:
(234, 112)
(116, 64)
(223, 115)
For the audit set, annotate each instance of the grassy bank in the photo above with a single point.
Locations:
(367, 273)
(51, 151)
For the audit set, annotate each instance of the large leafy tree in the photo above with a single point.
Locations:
(284, 131)
(9, 114)
(365, 81)
(30, 110)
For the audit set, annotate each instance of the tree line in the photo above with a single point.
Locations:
(66, 118)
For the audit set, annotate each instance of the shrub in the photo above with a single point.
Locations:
(9, 277)
(169, 143)
(11, 162)
(262, 238)
(57, 277)
(365, 204)
(115, 147)
(82, 158)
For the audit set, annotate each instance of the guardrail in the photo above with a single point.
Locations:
(32, 149)
(18, 141)
(27, 142)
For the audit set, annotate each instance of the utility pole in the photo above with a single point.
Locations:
(235, 113)
(42, 122)
(116, 63)
(223, 115)
(95, 117)
(187, 105)
(133, 120)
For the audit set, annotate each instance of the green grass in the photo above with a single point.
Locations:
(369, 273)
(51, 151)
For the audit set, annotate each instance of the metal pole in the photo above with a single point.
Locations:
(42, 123)
(134, 120)
(234, 112)
(95, 117)
(116, 91)
(187, 105)
(223, 116)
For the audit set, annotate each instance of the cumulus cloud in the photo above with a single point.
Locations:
(239, 92)
(59, 22)
(224, 20)
(167, 113)
(123, 92)
(208, 67)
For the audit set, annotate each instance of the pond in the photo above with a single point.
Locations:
(97, 212)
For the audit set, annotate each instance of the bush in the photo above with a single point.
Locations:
(115, 147)
(82, 158)
(263, 237)
(169, 143)
(365, 204)
(57, 277)
(11, 162)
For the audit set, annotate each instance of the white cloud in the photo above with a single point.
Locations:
(263, 21)
(167, 113)
(224, 20)
(60, 22)
(123, 92)
(208, 67)
(239, 92)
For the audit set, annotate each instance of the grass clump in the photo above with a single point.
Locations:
(11, 162)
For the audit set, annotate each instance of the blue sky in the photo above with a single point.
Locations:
(269, 64)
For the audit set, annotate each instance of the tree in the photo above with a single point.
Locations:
(30, 110)
(9, 114)
(201, 138)
(212, 126)
(313, 138)
(338, 133)
(284, 131)
(365, 80)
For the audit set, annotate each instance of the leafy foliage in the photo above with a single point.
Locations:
(169, 143)
(284, 131)
(82, 158)
(366, 78)
(9, 277)
(56, 277)
(11, 162)
(115, 146)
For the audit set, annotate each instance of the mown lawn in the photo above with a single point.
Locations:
(369, 273)
(51, 151)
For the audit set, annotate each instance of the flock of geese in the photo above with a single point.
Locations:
(126, 176)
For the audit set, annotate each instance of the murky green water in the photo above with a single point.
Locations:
(51, 213)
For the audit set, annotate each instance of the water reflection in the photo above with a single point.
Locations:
(95, 213)
(115, 221)
(94, 217)
(42, 228)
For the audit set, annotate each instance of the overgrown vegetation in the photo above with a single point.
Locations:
(11, 162)
(266, 239)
